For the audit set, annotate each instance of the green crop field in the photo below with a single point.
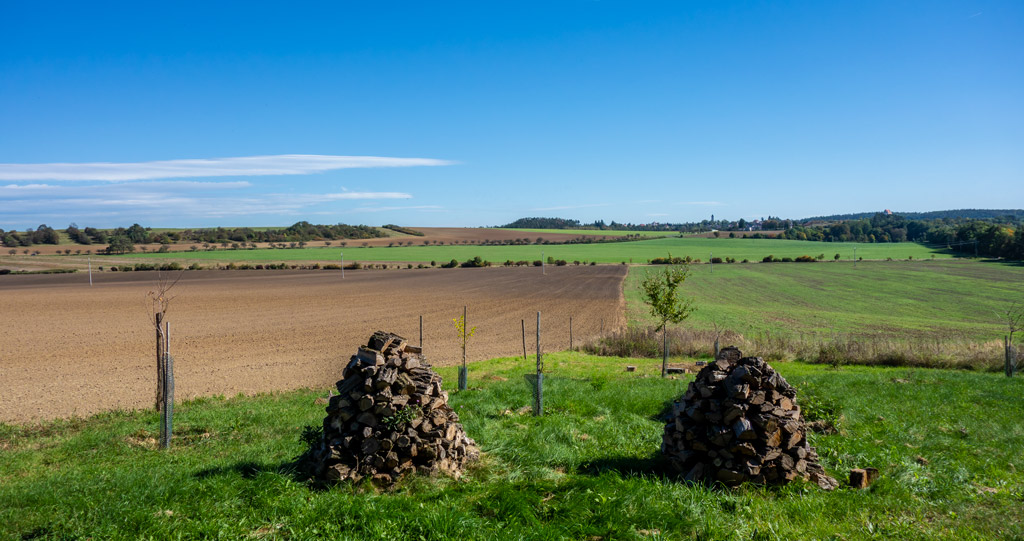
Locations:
(612, 252)
(945, 299)
(606, 232)
(947, 444)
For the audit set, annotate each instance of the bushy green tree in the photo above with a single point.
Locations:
(661, 293)
(120, 244)
(137, 234)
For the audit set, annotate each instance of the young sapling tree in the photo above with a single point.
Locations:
(661, 293)
(464, 334)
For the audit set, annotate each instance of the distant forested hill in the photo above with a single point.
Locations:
(543, 223)
(972, 214)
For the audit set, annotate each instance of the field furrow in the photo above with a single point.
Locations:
(75, 350)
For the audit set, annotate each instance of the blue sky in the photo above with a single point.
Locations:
(478, 113)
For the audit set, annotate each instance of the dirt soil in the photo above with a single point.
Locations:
(68, 349)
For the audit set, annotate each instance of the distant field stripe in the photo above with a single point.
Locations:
(598, 232)
(610, 252)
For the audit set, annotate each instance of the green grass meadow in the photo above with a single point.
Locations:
(947, 444)
(651, 234)
(611, 252)
(949, 299)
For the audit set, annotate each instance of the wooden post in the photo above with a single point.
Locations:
(570, 333)
(421, 333)
(538, 404)
(602, 327)
(342, 265)
(90, 271)
(463, 370)
(523, 323)
(717, 349)
(711, 261)
(1013, 358)
(543, 264)
(166, 428)
(664, 348)
(1007, 351)
(159, 362)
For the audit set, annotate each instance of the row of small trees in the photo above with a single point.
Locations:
(137, 234)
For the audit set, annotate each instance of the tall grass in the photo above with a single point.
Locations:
(833, 349)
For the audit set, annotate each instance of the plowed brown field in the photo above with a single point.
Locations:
(70, 349)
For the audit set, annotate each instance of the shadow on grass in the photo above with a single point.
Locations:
(248, 469)
(629, 466)
(41, 532)
(1006, 262)
(665, 412)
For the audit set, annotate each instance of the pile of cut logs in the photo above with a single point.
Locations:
(739, 422)
(390, 418)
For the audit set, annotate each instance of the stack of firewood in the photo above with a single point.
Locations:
(390, 418)
(738, 422)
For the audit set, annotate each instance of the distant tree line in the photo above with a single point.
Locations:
(401, 229)
(972, 214)
(689, 227)
(1004, 240)
(40, 235)
(879, 228)
(861, 225)
(125, 238)
(544, 223)
(995, 237)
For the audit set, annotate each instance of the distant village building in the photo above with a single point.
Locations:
(888, 212)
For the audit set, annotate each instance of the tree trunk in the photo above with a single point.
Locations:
(159, 362)
(664, 350)
(1009, 356)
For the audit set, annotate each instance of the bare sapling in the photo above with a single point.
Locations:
(1013, 318)
(464, 333)
(718, 331)
(159, 300)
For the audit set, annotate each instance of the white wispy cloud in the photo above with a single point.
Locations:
(570, 207)
(286, 164)
(26, 187)
(388, 209)
(700, 203)
(51, 190)
(170, 201)
(364, 195)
